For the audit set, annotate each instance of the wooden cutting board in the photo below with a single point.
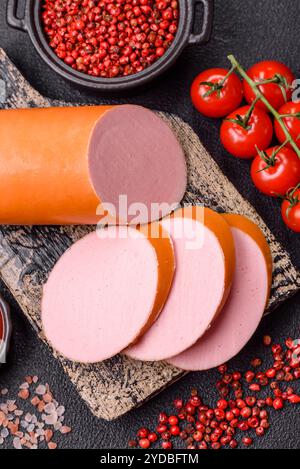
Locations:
(27, 255)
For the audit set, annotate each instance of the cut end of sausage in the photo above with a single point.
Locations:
(104, 292)
(201, 283)
(133, 154)
(245, 306)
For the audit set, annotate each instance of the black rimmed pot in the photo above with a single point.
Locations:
(186, 34)
(7, 328)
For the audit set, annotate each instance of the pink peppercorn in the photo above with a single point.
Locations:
(83, 28)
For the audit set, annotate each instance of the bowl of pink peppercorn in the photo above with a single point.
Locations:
(112, 45)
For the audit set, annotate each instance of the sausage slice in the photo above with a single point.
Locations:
(246, 303)
(204, 252)
(105, 291)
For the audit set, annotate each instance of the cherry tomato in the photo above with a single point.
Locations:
(290, 210)
(276, 93)
(276, 173)
(241, 141)
(292, 123)
(214, 97)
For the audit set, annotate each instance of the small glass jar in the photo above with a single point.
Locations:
(5, 330)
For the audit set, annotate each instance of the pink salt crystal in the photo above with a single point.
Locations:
(47, 397)
(48, 435)
(41, 406)
(24, 386)
(2, 417)
(17, 443)
(65, 429)
(52, 445)
(35, 401)
(51, 419)
(49, 408)
(23, 394)
(40, 390)
(60, 410)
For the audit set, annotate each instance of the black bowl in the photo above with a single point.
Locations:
(31, 23)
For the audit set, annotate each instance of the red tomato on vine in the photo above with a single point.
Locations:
(290, 209)
(245, 130)
(275, 171)
(277, 81)
(216, 92)
(292, 121)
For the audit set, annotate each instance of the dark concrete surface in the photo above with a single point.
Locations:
(252, 30)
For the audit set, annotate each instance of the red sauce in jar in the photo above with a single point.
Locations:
(105, 38)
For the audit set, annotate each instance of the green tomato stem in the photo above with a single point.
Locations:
(259, 95)
(228, 75)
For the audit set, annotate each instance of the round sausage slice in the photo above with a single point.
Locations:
(105, 291)
(246, 303)
(204, 253)
(136, 165)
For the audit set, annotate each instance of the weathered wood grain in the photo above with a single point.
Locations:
(27, 254)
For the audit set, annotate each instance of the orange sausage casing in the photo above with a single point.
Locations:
(44, 176)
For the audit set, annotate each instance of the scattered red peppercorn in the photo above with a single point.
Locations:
(240, 403)
(271, 373)
(260, 431)
(263, 414)
(255, 387)
(278, 403)
(214, 428)
(132, 443)
(222, 404)
(269, 401)
(163, 418)
(173, 420)
(229, 415)
(178, 403)
(267, 340)
(202, 445)
(233, 444)
(166, 445)
(264, 424)
(143, 433)
(144, 443)
(236, 376)
(220, 414)
(250, 401)
(249, 376)
(195, 401)
(161, 428)
(246, 412)
(256, 362)
(294, 399)
(198, 436)
(190, 409)
(216, 445)
(175, 430)
(253, 422)
(247, 441)
(222, 369)
(152, 437)
(166, 435)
